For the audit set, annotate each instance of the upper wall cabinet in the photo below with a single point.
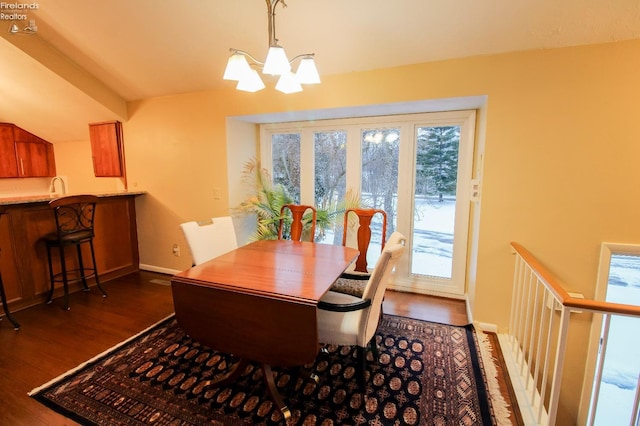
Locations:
(8, 162)
(107, 149)
(24, 154)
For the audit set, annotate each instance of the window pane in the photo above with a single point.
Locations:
(620, 367)
(435, 200)
(379, 189)
(285, 151)
(330, 180)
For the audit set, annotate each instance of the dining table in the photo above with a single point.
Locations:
(259, 303)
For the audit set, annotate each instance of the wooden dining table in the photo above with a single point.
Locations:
(258, 302)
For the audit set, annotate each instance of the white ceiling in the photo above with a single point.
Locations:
(147, 48)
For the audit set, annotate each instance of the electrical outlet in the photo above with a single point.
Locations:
(217, 193)
(176, 250)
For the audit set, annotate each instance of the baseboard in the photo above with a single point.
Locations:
(397, 286)
(485, 326)
(158, 269)
(468, 308)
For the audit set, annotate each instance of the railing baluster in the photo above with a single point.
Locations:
(526, 331)
(539, 353)
(514, 298)
(561, 349)
(520, 328)
(534, 341)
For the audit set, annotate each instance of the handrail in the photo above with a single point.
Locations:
(564, 297)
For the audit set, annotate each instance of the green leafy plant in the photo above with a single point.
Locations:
(267, 200)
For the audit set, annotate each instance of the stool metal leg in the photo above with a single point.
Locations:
(81, 265)
(51, 276)
(16, 325)
(95, 269)
(65, 281)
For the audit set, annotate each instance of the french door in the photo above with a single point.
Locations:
(415, 167)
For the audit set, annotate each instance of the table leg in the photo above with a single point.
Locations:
(273, 391)
(231, 375)
(267, 374)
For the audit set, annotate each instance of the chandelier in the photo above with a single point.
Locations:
(277, 64)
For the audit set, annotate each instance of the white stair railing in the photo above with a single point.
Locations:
(536, 343)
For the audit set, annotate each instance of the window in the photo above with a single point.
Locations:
(416, 167)
(330, 176)
(616, 389)
(285, 149)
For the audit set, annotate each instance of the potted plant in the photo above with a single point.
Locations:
(267, 200)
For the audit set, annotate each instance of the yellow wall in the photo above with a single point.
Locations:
(559, 163)
(74, 159)
(560, 170)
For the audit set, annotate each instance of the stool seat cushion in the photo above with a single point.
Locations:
(71, 238)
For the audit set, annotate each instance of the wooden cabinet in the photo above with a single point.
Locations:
(107, 149)
(24, 154)
(35, 159)
(8, 163)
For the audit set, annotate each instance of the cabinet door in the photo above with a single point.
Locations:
(106, 149)
(34, 159)
(8, 163)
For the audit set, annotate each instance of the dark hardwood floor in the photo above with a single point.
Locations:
(53, 341)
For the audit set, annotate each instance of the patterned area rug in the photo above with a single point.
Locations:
(426, 374)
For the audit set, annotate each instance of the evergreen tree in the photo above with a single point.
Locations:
(437, 160)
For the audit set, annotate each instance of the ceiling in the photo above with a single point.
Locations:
(147, 48)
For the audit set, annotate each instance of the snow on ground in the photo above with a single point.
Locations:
(621, 366)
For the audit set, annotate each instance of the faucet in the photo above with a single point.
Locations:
(52, 188)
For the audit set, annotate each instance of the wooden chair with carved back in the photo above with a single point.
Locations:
(298, 222)
(357, 234)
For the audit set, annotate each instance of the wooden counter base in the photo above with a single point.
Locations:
(23, 262)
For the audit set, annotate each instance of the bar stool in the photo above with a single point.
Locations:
(16, 326)
(74, 226)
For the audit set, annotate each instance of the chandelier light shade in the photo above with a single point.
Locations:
(307, 72)
(237, 67)
(241, 66)
(277, 62)
(250, 82)
(288, 83)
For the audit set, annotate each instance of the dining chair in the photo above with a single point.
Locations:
(356, 233)
(74, 217)
(298, 222)
(344, 319)
(210, 238)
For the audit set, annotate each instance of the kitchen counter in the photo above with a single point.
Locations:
(24, 220)
(45, 198)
